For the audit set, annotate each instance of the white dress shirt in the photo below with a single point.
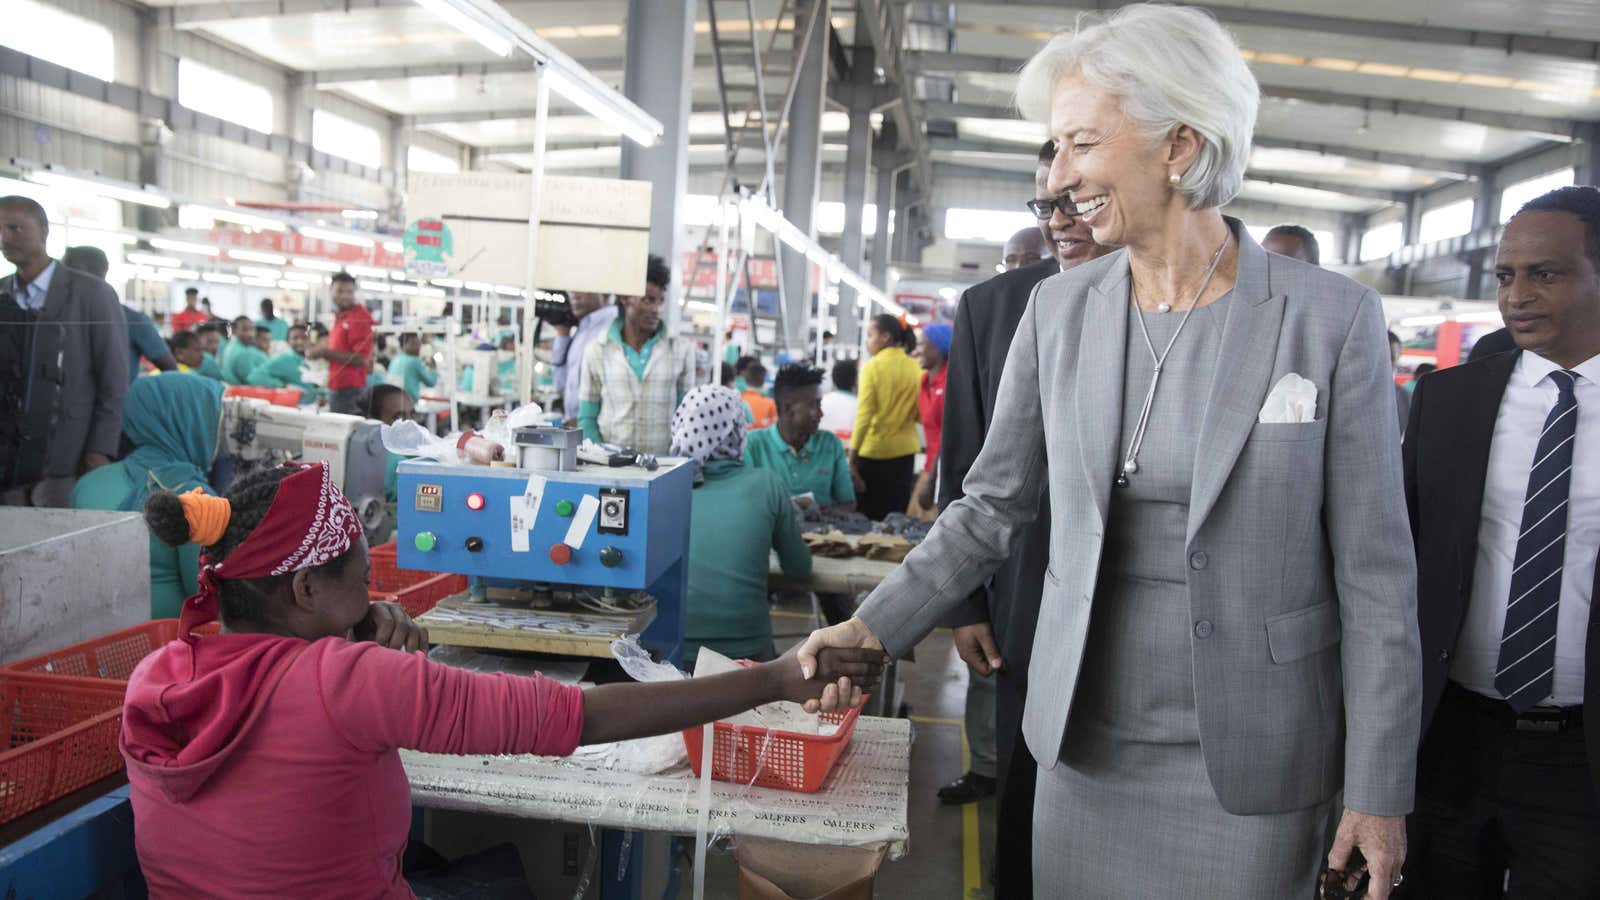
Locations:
(838, 411)
(569, 348)
(1529, 397)
(32, 295)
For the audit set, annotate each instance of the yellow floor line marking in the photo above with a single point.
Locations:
(971, 859)
(786, 614)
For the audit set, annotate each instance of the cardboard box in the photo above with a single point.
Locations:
(778, 870)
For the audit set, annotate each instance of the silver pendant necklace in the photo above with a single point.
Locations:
(1130, 464)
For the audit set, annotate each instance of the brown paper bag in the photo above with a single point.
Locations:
(778, 870)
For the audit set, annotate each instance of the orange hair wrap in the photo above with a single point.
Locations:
(208, 516)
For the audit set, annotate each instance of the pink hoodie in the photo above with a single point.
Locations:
(266, 766)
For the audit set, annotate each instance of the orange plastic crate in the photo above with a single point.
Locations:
(112, 656)
(60, 736)
(275, 396)
(416, 591)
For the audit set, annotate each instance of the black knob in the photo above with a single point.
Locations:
(474, 544)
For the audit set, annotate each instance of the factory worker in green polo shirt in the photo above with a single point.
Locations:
(808, 460)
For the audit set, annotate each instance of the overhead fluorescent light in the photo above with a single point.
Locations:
(261, 282)
(366, 272)
(80, 235)
(405, 290)
(305, 277)
(184, 247)
(149, 274)
(186, 274)
(482, 287)
(368, 215)
(338, 237)
(509, 291)
(446, 282)
(601, 107)
(125, 192)
(151, 259)
(238, 217)
(258, 272)
(269, 259)
(376, 287)
(220, 278)
(394, 246)
(291, 286)
(318, 265)
(492, 39)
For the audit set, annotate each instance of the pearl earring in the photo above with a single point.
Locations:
(1174, 178)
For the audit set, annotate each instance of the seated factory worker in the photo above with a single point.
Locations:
(389, 404)
(407, 370)
(740, 514)
(287, 369)
(808, 460)
(241, 355)
(763, 410)
(264, 760)
(211, 336)
(172, 422)
(186, 349)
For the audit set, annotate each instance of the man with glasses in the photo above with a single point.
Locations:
(635, 374)
(997, 623)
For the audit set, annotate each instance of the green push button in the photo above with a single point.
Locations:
(610, 557)
(565, 509)
(425, 541)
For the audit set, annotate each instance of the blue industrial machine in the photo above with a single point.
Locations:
(598, 527)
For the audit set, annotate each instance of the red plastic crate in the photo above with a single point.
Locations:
(786, 760)
(276, 396)
(60, 736)
(112, 656)
(416, 591)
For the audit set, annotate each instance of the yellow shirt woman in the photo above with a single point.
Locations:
(886, 415)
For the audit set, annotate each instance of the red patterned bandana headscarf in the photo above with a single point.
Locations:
(309, 523)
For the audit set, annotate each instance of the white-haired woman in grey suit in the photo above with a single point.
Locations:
(1226, 662)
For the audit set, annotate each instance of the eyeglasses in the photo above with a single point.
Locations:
(1044, 209)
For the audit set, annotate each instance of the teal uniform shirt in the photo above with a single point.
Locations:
(284, 371)
(738, 517)
(412, 373)
(277, 326)
(210, 368)
(820, 468)
(241, 362)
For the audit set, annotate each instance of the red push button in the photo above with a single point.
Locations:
(560, 554)
(474, 502)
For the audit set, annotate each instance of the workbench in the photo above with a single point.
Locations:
(864, 801)
(833, 575)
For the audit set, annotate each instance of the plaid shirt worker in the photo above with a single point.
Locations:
(636, 409)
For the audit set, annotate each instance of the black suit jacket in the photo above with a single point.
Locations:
(1446, 453)
(986, 321)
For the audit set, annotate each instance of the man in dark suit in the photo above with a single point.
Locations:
(63, 366)
(994, 631)
(1505, 512)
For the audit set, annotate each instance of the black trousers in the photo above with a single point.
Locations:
(889, 485)
(1491, 799)
(1013, 817)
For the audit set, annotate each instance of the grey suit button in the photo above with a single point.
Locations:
(1444, 656)
(1198, 560)
(1202, 629)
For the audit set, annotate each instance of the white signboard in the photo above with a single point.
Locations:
(594, 233)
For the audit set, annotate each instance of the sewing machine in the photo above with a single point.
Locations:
(258, 433)
(563, 557)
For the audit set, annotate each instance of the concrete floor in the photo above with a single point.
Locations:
(948, 855)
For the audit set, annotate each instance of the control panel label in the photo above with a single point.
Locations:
(521, 524)
(578, 531)
(430, 498)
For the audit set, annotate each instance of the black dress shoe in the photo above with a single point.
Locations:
(969, 788)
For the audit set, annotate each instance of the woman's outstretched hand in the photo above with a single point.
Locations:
(852, 634)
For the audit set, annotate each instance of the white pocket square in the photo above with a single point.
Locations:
(1293, 400)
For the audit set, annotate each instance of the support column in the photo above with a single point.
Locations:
(1350, 236)
(1409, 226)
(399, 145)
(803, 167)
(885, 204)
(158, 74)
(1485, 215)
(660, 55)
(907, 246)
(858, 152)
(301, 100)
(1588, 165)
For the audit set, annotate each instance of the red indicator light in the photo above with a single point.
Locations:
(475, 501)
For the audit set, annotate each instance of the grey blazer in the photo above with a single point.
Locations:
(81, 369)
(1302, 582)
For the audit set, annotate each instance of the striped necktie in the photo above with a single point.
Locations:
(1526, 671)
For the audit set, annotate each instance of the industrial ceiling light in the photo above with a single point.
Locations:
(601, 107)
(338, 237)
(236, 217)
(99, 187)
(269, 259)
(184, 247)
(468, 24)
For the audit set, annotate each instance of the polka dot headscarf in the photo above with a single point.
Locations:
(708, 425)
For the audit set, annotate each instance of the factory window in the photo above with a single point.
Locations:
(53, 35)
(421, 159)
(337, 136)
(830, 218)
(228, 97)
(992, 226)
(1379, 242)
(1447, 221)
(1517, 194)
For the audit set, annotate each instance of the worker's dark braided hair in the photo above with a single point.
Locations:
(895, 331)
(242, 600)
